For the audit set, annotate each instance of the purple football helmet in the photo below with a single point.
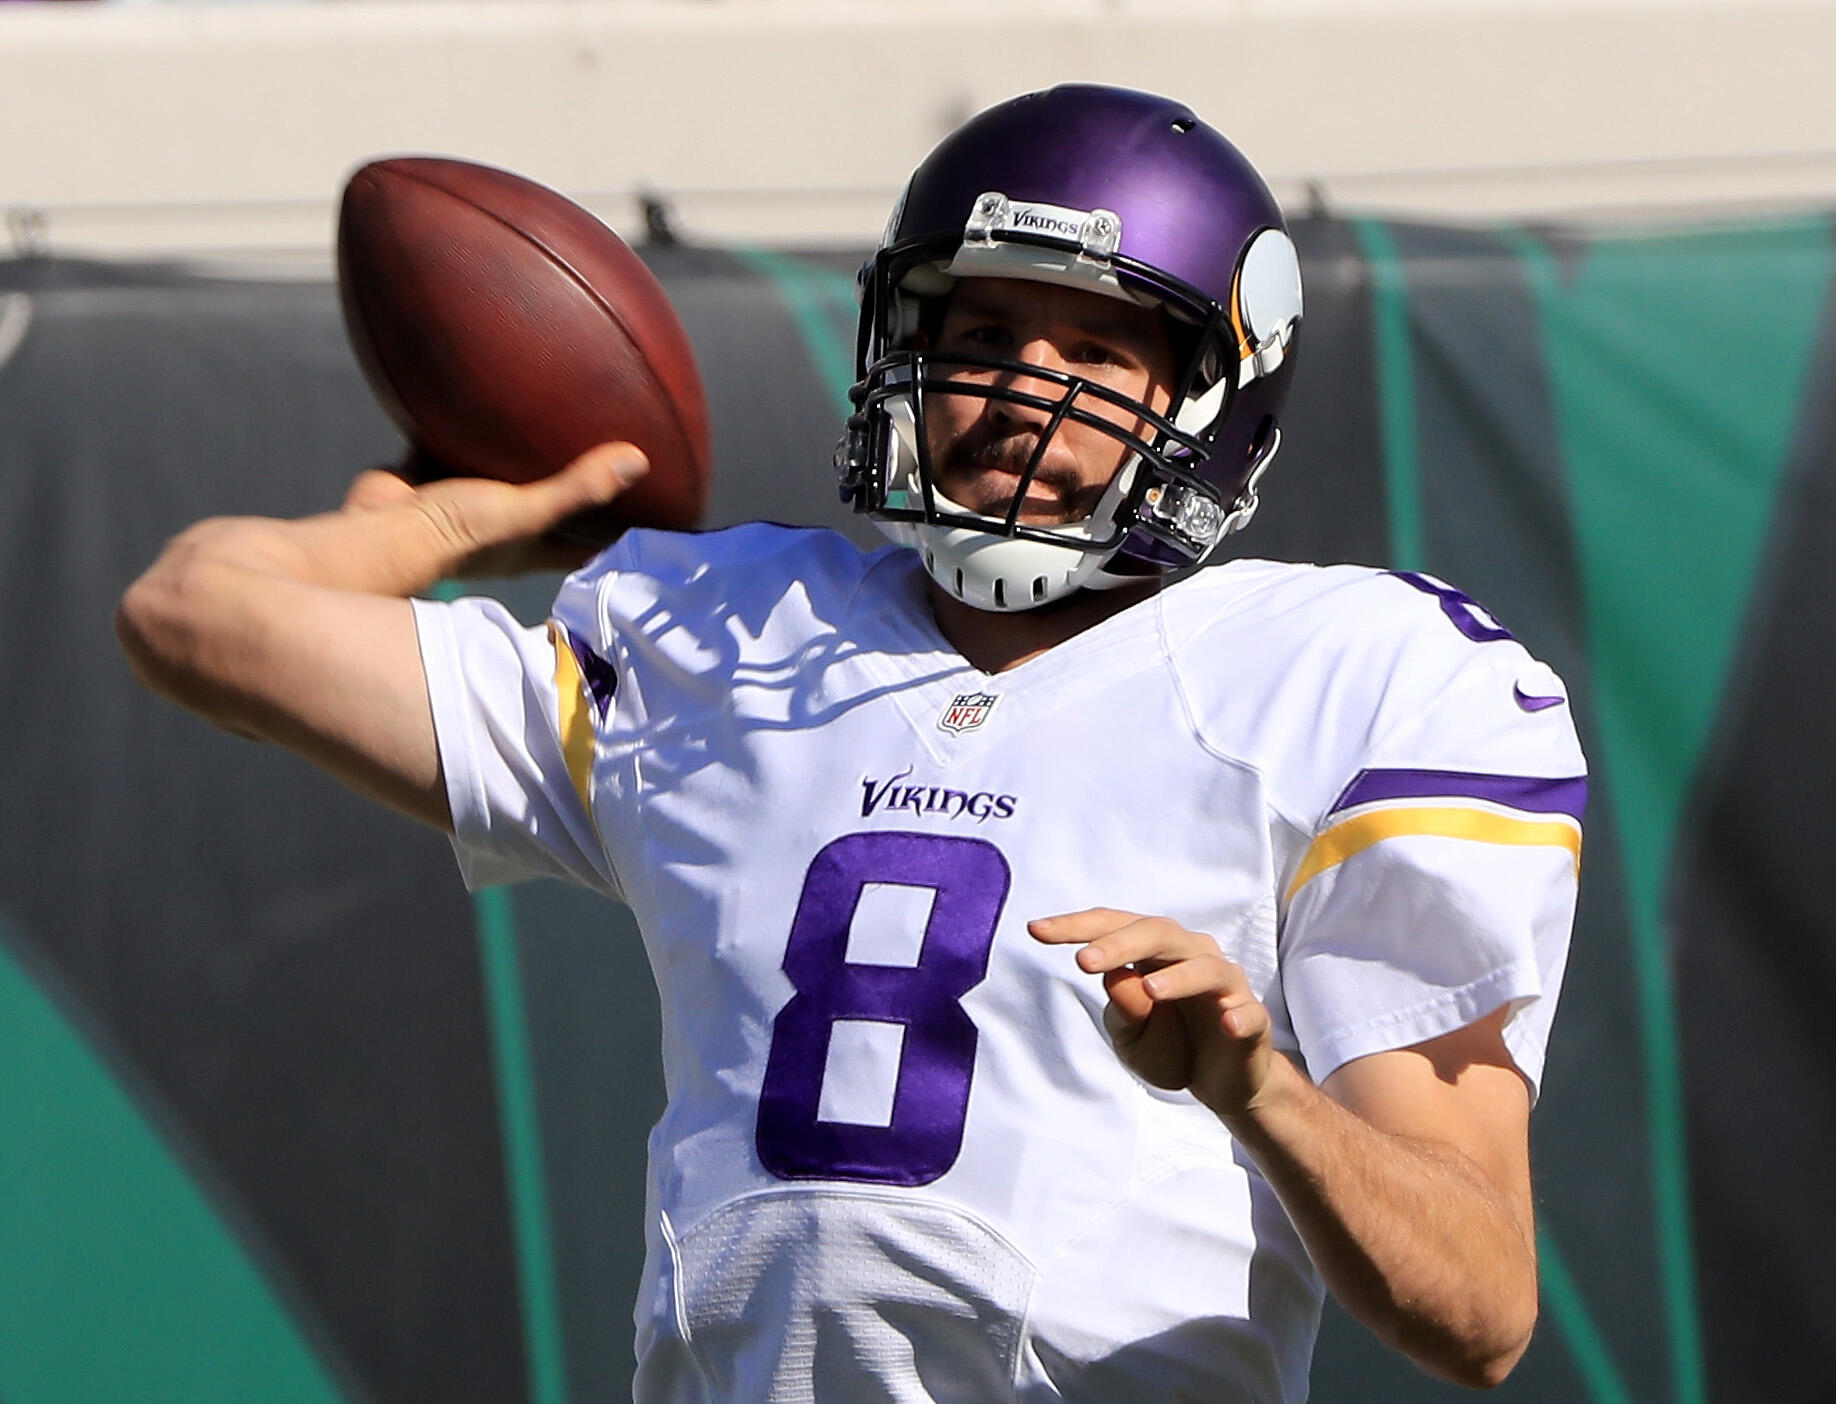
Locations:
(1124, 194)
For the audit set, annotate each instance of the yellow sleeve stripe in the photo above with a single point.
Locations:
(575, 721)
(1359, 832)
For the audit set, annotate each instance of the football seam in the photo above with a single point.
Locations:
(561, 262)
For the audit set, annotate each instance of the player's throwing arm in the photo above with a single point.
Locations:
(300, 632)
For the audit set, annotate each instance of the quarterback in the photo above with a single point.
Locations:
(1073, 962)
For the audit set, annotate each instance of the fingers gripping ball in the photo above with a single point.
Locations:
(506, 331)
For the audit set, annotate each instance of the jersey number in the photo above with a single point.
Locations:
(1467, 614)
(968, 879)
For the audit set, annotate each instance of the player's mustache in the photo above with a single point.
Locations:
(980, 447)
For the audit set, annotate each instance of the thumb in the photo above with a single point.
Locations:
(377, 487)
(591, 480)
(1128, 996)
(598, 475)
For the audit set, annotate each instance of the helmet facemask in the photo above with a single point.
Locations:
(1158, 512)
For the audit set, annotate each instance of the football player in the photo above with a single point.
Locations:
(1073, 961)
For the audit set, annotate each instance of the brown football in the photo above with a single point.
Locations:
(506, 331)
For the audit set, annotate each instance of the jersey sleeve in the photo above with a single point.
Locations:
(546, 734)
(514, 713)
(1439, 884)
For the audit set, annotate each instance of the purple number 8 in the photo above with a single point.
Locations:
(969, 878)
(1468, 615)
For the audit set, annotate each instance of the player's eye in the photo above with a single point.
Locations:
(986, 335)
(1102, 353)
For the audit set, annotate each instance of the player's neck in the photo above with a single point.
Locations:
(996, 642)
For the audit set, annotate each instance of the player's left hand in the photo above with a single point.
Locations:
(1180, 1014)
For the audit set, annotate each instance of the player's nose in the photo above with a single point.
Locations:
(1041, 352)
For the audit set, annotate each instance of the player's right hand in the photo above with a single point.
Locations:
(500, 529)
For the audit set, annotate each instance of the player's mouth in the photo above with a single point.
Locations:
(985, 477)
(991, 492)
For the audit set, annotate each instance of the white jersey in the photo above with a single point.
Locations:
(900, 1159)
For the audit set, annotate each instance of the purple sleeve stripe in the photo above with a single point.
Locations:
(1532, 793)
(600, 676)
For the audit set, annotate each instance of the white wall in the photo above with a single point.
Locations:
(160, 127)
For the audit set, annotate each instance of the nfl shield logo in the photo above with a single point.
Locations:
(967, 711)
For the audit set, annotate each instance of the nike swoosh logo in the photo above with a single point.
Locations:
(1532, 703)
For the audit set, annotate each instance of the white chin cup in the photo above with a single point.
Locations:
(997, 573)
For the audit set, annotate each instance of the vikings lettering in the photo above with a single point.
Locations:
(889, 796)
(1032, 219)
